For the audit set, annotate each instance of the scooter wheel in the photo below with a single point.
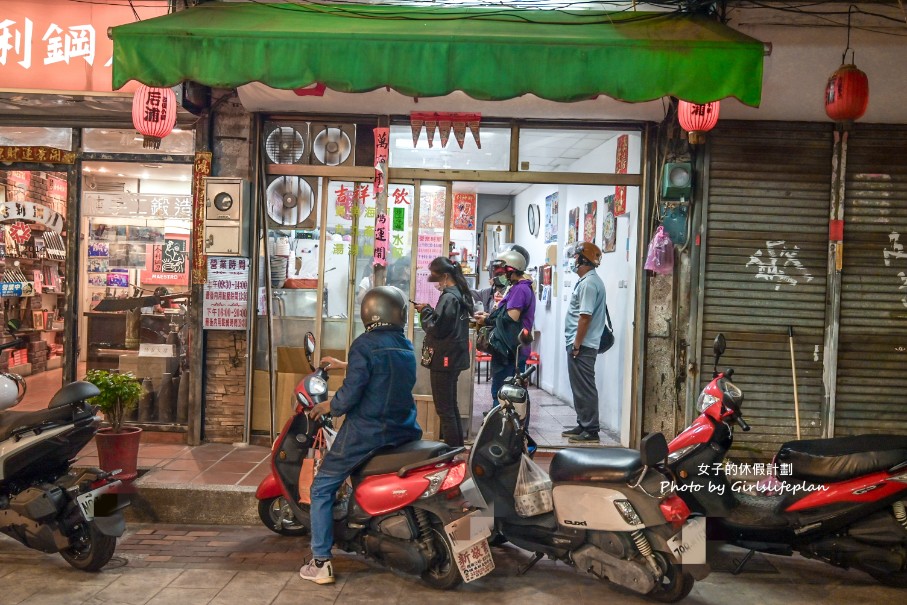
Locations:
(674, 586)
(91, 550)
(277, 516)
(442, 572)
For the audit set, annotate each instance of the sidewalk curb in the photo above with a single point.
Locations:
(193, 504)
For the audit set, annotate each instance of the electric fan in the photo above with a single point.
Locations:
(290, 200)
(285, 145)
(332, 146)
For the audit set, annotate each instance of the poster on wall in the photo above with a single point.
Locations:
(572, 226)
(620, 192)
(17, 185)
(551, 218)
(56, 193)
(431, 209)
(464, 211)
(226, 305)
(168, 262)
(609, 225)
(590, 218)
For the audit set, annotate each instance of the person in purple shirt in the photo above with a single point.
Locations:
(519, 303)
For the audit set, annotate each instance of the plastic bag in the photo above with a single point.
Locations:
(660, 258)
(532, 495)
(322, 442)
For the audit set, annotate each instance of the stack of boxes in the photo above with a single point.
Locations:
(37, 352)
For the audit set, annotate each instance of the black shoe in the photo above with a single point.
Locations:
(584, 437)
(577, 430)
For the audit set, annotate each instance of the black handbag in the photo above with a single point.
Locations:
(607, 340)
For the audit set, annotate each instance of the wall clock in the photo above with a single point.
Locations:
(534, 217)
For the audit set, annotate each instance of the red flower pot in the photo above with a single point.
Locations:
(119, 451)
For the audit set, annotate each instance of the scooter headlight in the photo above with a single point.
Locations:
(706, 401)
(317, 386)
(512, 393)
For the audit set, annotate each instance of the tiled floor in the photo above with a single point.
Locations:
(208, 464)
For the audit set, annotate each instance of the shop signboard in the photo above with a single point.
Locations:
(161, 206)
(168, 262)
(59, 45)
(226, 298)
(32, 212)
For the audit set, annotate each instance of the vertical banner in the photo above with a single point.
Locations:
(620, 192)
(201, 168)
(382, 144)
(381, 240)
(551, 218)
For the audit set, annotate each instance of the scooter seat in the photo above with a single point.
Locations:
(842, 458)
(613, 464)
(10, 421)
(74, 392)
(391, 460)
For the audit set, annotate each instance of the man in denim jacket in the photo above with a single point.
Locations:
(377, 399)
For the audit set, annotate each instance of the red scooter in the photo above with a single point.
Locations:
(842, 500)
(395, 506)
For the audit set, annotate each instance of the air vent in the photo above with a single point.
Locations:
(107, 186)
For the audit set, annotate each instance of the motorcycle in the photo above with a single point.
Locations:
(394, 508)
(611, 516)
(841, 500)
(43, 504)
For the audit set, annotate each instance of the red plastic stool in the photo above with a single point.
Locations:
(535, 360)
(483, 357)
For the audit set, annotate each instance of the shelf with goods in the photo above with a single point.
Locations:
(31, 265)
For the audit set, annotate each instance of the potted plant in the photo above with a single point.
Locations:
(118, 445)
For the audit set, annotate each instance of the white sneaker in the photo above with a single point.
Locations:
(320, 575)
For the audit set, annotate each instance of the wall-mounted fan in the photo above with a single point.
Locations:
(287, 144)
(290, 200)
(332, 145)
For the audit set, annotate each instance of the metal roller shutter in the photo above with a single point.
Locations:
(766, 243)
(872, 360)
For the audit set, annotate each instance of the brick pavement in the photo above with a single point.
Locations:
(221, 565)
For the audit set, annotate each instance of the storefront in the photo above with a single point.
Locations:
(88, 212)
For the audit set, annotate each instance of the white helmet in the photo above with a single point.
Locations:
(10, 392)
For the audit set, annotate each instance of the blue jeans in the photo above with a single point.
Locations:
(499, 373)
(334, 470)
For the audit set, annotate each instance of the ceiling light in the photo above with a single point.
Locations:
(102, 169)
(86, 169)
(120, 174)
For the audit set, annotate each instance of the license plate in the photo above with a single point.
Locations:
(86, 501)
(475, 561)
(689, 544)
(469, 539)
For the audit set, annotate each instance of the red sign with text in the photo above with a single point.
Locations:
(58, 45)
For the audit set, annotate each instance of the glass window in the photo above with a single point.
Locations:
(112, 140)
(27, 136)
(563, 150)
(494, 154)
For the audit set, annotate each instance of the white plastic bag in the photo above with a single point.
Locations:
(532, 495)
(660, 258)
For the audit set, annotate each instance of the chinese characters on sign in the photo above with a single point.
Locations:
(169, 263)
(381, 240)
(771, 265)
(35, 213)
(464, 210)
(200, 169)
(226, 305)
(157, 206)
(620, 192)
(47, 155)
(62, 45)
(382, 138)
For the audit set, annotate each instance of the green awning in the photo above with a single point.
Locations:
(488, 53)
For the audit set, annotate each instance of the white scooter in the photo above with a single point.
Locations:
(612, 515)
(42, 504)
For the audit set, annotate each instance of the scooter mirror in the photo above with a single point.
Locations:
(720, 345)
(653, 449)
(309, 346)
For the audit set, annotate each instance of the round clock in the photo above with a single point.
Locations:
(534, 218)
(223, 201)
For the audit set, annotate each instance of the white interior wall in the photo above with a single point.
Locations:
(614, 369)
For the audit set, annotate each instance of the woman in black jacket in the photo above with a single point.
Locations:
(445, 351)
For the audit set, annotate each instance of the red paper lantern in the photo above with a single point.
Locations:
(846, 94)
(698, 119)
(153, 114)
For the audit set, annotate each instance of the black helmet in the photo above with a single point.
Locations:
(383, 305)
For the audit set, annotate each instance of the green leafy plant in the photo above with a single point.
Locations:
(120, 394)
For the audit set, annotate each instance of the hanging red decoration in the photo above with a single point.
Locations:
(698, 119)
(847, 94)
(153, 114)
(20, 232)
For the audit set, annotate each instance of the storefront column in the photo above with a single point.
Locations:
(71, 266)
